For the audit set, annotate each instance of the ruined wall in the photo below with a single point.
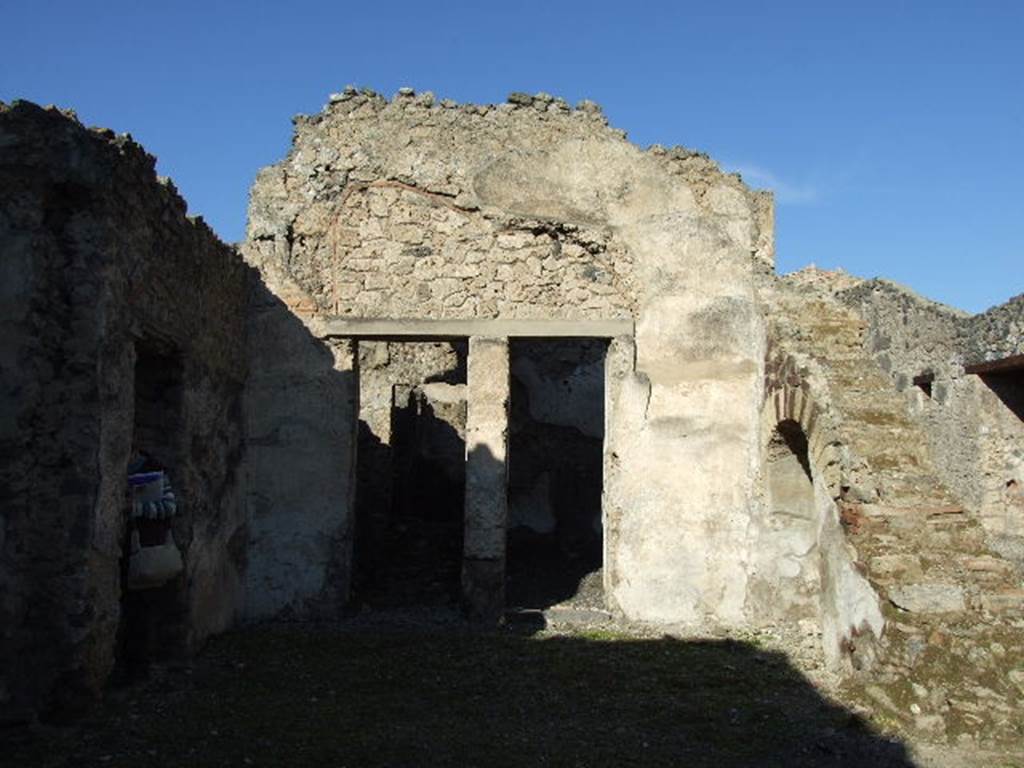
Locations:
(803, 568)
(413, 209)
(907, 334)
(996, 333)
(973, 431)
(530, 209)
(99, 260)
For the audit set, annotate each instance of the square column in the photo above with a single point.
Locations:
(487, 403)
(623, 406)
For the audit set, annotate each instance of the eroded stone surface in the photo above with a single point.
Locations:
(928, 598)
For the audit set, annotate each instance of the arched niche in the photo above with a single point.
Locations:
(802, 565)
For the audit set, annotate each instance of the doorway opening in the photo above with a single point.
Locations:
(556, 436)
(152, 620)
(410, 492)
(1008, 386)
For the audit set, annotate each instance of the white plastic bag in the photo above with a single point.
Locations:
(150, 567)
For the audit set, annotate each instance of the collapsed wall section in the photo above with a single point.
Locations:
(103, 274)
(413, 209)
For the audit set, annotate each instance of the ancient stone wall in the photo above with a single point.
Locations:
(531, 209)
(996, 333)
(973, 429)
(414, 209)
(996, 404)
(908, 334)
(102, 272)
(802, 566)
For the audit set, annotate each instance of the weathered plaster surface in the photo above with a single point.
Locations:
(301, 407)
(415, 209)
(803, 565)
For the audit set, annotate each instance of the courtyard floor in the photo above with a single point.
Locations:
(414, 694)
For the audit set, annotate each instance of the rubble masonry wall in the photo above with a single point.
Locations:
(976, 437)
(97, 258)
(417, 209)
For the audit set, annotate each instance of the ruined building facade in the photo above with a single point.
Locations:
(493, 355)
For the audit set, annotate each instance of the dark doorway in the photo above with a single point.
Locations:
(556, 435)
(411, 473)
(152, 620)
(1008, 386)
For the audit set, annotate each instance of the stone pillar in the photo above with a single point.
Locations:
(487, 399)
(620, 425)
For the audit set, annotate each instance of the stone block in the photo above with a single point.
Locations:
(929, 598)
(896, 565)
(986, 564)
(1004, 601)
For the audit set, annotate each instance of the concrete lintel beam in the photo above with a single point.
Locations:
(432, 329)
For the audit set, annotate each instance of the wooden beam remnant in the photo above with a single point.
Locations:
(1003, 365)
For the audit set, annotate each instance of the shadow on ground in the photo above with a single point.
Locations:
(285, 696)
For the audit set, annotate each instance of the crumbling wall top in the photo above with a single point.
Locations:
(414, 207)
(996, 333)
(522, 112)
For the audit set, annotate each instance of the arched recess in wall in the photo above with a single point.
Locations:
(786, 582)
(803, 568)
(789, 398)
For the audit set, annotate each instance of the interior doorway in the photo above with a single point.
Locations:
(556, 436)
(411, 473)
(152, 620)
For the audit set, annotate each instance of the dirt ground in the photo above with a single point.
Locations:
(408, 692)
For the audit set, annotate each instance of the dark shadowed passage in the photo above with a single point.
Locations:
(556, 431)
(411, 473)
(152, 621)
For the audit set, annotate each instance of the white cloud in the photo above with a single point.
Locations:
(786, 193)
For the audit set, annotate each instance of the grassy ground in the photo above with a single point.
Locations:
(334, 697)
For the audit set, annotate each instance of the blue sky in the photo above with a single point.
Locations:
(892, 132)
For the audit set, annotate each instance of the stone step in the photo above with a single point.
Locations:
(930, 597)
(932, 513)
(989, 566)
(1005, 601)
(915, 489)
(955, 623)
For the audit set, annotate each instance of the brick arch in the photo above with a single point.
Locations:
(789, 395)
(795, 397)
